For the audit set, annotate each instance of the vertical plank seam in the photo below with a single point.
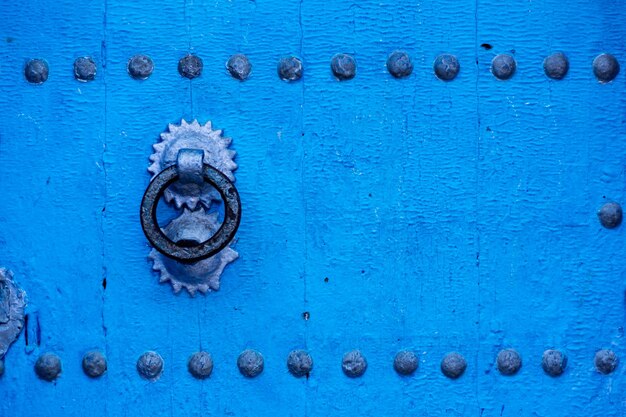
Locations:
(103, 58)
(476, 208)
(304, 200)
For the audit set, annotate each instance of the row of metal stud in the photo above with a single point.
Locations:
(300, 363)
(399, 64)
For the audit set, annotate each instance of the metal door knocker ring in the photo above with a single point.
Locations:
(185, 252)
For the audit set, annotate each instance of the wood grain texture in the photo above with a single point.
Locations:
(399, 214)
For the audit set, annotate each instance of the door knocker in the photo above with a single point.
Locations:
(192, 168)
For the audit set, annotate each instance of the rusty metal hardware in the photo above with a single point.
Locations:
(12, 306)
(185, 251)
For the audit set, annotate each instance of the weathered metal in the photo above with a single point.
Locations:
(12, 306)
(605, 67)
(453, 365)
(94, 364)
(84, 69)
(446, 67)
(343, 66)
(509, 362)
(150, 365)
(606, 361)
(299, 363)
(192, 228)
(399, 64)
(554, 362)
(48, 367)
(290, 68)
(140, 67)
(190, 66)
(503, 66)
(250, 363)
(610, 215)
(354, 364)
(239, 67)
(556, 66)
(216, 153)
(200, 365)
(36, 71)
(406, 362)
(182, 251)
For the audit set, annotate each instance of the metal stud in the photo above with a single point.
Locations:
(299, 363)
(406, 362)
(354, 364)
(343, 66)
(503, 66)
(399, 64)
(290, 68)
(94, 364)
(84, 69)
(610, 215)
(48, 367)
(605, 68)
(250, 363)
(36, 71)
(150, 366)
(200, 365)
(190, 66)
(556, 66)
(140, 67)
(554, 362)
(446, 67)
(606, 361)
(453, 365)
(509, 362)
(239, 67)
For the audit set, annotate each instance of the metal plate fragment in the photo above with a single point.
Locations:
(12, 305)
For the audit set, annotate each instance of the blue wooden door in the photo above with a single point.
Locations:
(380, 214)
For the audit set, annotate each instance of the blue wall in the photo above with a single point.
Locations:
(406, 213)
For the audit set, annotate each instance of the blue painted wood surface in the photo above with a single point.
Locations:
(408, 213)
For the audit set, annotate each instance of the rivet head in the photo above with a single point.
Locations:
(94, 364)
(554, 362)
(610, 215)
(36, 71)
(503, 66)
(446, 67)
(605, 67)
(399, 64)
(150, 366)
(509, 362)
(406, 362)
(250, 363)
(290, 68)
(140, 67)
(299, 363)
(239, 66)
(556, 66)
(48, 367)
(343, 66)
(606, 361)
(453, 365)
(354, 364)
(200, 365)
(84, 69)
(190, 66)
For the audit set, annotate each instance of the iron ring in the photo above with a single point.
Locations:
(206, 249)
